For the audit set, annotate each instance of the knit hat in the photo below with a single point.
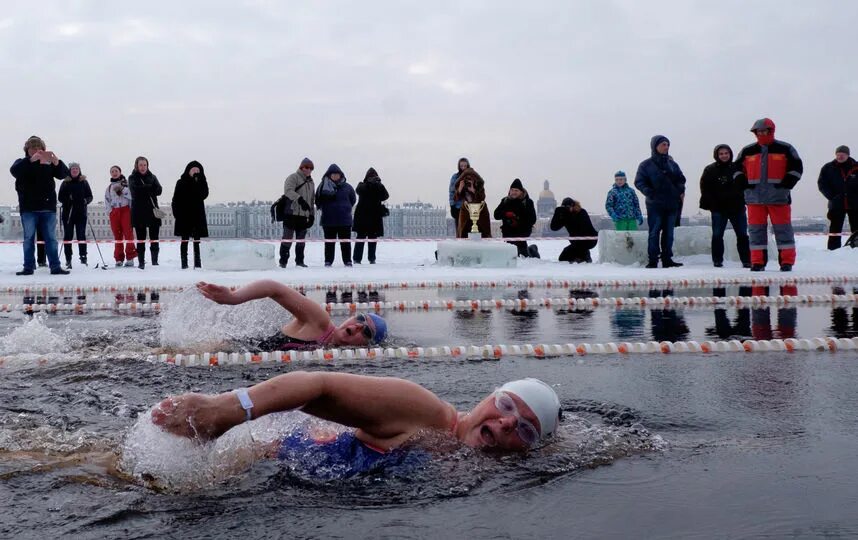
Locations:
(306, 163)
(842, 148)
(620, 173)
(74, 164)
(516, 184)
(568, 201)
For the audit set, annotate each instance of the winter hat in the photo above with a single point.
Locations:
(74, 164)
(764, 123)
(516, 184)
(34, 141)
(620, 173)
(542, 400)
(842, 148)
(306, 163)
(568, 201)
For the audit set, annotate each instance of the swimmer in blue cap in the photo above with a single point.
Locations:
(385, 412)
(311, 327)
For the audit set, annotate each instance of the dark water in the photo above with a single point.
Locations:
(673, 446)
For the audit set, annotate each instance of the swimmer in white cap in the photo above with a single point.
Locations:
(384, 411)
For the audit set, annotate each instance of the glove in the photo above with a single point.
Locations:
(303, 204)
(509, 215)
(312, 219)
(640, 221)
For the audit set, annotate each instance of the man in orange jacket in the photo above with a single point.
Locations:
(771, 168)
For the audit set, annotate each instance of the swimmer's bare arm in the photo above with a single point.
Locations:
(383, 408)
(301, 307)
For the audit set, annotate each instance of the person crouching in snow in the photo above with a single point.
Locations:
(577, 222)
(517, 216)
(471, 188)
(622, 205)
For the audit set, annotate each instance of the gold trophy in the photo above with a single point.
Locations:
(474, 210)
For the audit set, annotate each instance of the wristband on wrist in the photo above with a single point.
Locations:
(246, 403)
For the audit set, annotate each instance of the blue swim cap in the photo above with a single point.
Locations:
(380, 327)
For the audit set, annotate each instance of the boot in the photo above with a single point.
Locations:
(154, 258)
(183, 254)
(83, 260)
(68, 264)
(197, 261)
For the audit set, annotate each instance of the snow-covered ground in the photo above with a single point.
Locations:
(415, 261)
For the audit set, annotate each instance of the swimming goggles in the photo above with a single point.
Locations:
(525, 430)
(368, 327)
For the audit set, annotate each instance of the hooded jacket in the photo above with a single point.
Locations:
(369, 211)
(36, 185)
(337, 207)
(188, 204)
(474, 194)
(75, 195)
(770, 167)
(145, 189)
(622, 203)
(720, 190)
(660, 179)
(838, 182)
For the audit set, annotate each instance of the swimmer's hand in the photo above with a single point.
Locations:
(218, 293)
(199, 416)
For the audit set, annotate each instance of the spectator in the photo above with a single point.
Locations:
(75, 195)
(117, 197)
(471, 188)
(577, 222)
(723, 195)
(335, 197)
(661, 181)
(455, 204)
(145, 189)
(771, 169)
(37, 201)
(299, 189)
(189, 210)
(369, 214)
(838, 181)
(517, 216)
(622, 205)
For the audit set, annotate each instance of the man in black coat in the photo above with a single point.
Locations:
(517, 216)
(838, 181)
(35, 183)
(723, 194)
(577, 222)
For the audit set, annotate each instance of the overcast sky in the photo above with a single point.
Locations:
(564, 91)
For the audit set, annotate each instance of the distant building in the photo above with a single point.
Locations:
(546, 203)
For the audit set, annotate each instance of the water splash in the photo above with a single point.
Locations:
(191, 319)
(33, 338)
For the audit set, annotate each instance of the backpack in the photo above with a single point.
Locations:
(281, 208)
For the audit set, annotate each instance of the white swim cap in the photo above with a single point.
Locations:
(542, 400)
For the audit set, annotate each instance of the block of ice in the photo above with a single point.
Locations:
(232, 255)
(630, 247)
(477, 253)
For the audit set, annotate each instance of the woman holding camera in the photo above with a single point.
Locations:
(145, 189)
(117, 197)
(369, 214)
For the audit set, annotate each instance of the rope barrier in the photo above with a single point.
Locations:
(639, 302)
(334, 286)
(496, 352)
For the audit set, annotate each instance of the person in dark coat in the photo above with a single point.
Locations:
(189, 210)
(75, 195)
(145, 189)
(471, 188)
(724, 195)
(661, 181)
(335, 197)
(838, 181)
(369, 214)
(37, 201)
(577, 222)
(517, 216)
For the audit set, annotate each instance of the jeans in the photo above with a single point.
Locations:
(359, 247)
(288, 234)
(661, 224)
(77, 230)
(740, 227)
(46, 223)
(343, 233)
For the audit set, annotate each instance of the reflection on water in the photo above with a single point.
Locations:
(667, 324)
